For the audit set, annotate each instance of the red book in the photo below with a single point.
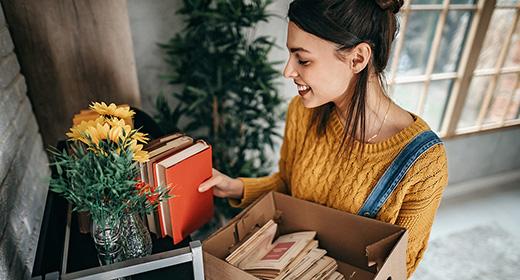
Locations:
(183, 172)
(159, 149)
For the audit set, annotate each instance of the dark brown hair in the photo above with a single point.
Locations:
(349, 23)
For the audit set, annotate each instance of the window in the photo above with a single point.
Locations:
(457, 64)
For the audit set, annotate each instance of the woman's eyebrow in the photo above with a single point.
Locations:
(293, 50)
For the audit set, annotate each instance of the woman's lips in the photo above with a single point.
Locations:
(303, 90)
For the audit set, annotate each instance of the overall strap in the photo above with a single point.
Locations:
(395, 173)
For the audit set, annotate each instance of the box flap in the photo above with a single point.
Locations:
(215, 268)
(242, 225)
(378, 252)
(395, 264)
(220, 245)
(354, 273)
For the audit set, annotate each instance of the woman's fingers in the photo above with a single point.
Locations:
(208, 184)
(215, 180)
(223, 186)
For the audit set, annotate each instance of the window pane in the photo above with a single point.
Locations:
(421, 2)
(463, 1)
(428, 2)
(453, 37)
(408, 95)
(513, 57)
(498, 105)
(498, 28)
(474, 99)
(436, 101)
(501, 2)
(417, 42)
(514, 108)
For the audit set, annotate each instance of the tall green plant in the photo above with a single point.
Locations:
(229, 96)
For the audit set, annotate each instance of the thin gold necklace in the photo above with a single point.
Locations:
(382, 123)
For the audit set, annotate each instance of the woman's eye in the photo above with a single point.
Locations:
(303, 62)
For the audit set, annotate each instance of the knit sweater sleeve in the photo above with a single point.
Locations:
(422, 188)
(280, 181)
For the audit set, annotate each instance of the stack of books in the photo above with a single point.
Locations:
(180, 164)
(290, 256)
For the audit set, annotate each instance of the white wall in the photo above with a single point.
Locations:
(152, 22)
(484, 154)
(155, 21)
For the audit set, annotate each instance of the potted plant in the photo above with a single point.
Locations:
(228, 94)
(100, 175)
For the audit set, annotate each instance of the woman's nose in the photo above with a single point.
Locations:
(289, 72)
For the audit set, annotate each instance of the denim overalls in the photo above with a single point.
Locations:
(395, 173)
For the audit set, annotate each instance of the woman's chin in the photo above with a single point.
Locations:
(308, 102)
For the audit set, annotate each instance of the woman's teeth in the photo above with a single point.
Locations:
(303, 88)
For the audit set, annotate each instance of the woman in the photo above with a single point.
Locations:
(342, 131)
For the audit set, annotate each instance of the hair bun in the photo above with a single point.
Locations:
(392, 5)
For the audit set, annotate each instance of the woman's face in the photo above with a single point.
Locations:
(320, 75)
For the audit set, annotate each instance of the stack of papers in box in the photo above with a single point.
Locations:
(291, 256)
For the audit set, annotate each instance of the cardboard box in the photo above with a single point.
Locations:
(364, 248)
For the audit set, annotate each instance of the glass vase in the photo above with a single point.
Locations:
(107, 240)
(136, 238)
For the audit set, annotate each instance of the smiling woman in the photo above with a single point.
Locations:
(359, 62)
(342, 131)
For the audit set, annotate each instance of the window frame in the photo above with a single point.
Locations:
(478, 27)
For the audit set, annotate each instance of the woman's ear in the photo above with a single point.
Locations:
(359, 57)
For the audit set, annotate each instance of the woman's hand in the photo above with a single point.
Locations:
(223, 186)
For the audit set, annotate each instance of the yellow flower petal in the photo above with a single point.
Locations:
(78, 131)
(127, 129)
(121, 112)
(141, 137)
(115, 133)
(94, 135)
(102, 131)
(74, 135)
(141, 156)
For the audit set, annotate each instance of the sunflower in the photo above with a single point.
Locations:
(114, 130)
(139, 154)
(119, 129)
(98, 132)
(79, 131)
(139, 136)
(112, 110)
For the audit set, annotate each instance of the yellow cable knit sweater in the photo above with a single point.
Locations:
(308, 170)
